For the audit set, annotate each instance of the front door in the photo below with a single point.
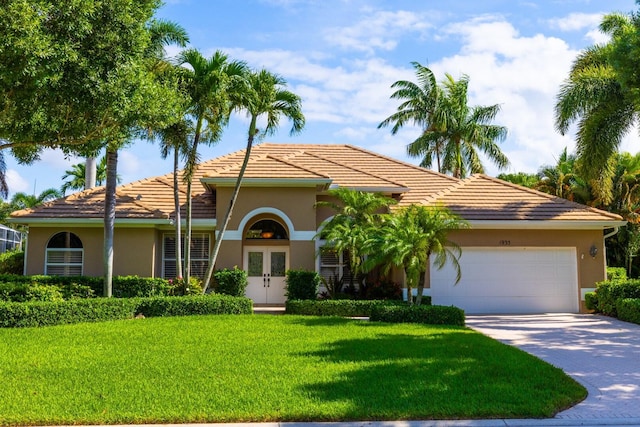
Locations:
(265, 267)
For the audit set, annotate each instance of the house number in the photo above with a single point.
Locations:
(505, 242)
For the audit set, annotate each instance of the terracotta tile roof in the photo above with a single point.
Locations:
(483, 198)
(478, 198)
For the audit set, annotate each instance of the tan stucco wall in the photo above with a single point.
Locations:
(134, 250)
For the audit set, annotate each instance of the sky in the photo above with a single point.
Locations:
(342, 56)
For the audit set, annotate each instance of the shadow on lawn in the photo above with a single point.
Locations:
(441, 375)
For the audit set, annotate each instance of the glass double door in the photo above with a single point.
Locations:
(266, 267)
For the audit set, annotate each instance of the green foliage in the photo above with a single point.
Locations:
(343, 308)
(591, 301)
(384, 289)
(524, 179)
(40, 313)
(616, 273)
(231, 281)
(23, 292)
(302, 284)
(629, 310)
(429, 314)
(180, 286)
(12, 262)
(608, 294)
(194, 305)
(134, 286)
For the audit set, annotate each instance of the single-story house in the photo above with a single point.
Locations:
(525, 251)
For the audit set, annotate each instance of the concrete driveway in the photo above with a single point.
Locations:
(601, 353)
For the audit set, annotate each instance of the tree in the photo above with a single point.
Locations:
(74, 178)
(356, 213)
(27, 201)
(214, 87)
(420, 108)
(409, 237)
(563, 180)
(452, 131)
(524, 179)
(601, 95)
(265, 96)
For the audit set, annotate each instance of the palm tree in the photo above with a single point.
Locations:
(601, 95)
(265, 96)
(74, 178)
(420, 108)
(346, 231)
(563, 180)
(409, 237)
(214, 87)
(27, 201)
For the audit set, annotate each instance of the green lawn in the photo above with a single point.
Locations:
(268, 368)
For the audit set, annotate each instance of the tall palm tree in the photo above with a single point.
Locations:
(409, 238)
(346, 231)
(75, 178)
(563, 180)
(419, 108)
(601, 96)
(214, 87)
(26, 201)
(265, 96)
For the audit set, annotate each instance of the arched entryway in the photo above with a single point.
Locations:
(266, 258)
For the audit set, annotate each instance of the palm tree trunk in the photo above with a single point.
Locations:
(178, 218)
(90, 170)
(216, 248)
(109, 218)
(190, 170)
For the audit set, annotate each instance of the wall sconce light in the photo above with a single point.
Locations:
(593, 251)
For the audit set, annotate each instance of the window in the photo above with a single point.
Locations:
(9, 239)
(266, 229)
(333, 265)
(199, 255)
(64, 255)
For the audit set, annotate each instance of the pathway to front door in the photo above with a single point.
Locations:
(266, 266)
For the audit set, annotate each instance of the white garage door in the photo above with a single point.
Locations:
(510, 280)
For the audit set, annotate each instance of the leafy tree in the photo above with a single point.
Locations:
(356, 213)
(265, 96)
(409, 237)
(602, 95)
(214, 87)
(563, 180)
(75, 178)
(524, 179)
(26, 201)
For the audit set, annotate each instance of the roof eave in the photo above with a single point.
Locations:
(99, 222)
(545, 224)
(365, 189)
(266, 182)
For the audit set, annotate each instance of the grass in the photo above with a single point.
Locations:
(268, 368)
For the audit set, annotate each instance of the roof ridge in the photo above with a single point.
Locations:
(286, 162)
(357, 169)
(550, 197)
(456, 185)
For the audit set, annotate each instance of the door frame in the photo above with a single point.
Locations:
(267, 249)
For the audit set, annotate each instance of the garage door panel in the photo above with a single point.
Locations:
(510, 280)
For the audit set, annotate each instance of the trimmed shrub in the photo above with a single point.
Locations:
(39, 313)
(134, 286)
(180, 287)
(608, 294)
(591, 301)
(629, 310)
(302, 284)
(429, 314)
(12, 262)
(193, 305)
(343, 308)
(230, 282)
(616, 273)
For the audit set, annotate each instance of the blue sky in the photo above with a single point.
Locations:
(341, 57)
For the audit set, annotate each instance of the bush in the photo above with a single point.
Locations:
(302, 284)
(343, 308)
(629, 310)
(383, 289)
(591, 301)
(12, 262)
(608, 294)
(179, 286)
(616, 273)
(429, 314)
(192, 305)
(230, 282)
(134, 286)
(38, 313)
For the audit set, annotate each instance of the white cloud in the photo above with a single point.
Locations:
(576, 21)
(16, 183)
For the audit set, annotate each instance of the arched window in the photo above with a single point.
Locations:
(267, 229)
(64, 255)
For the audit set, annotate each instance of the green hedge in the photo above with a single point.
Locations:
(194, 305)
(230, 282)
(48, 313)
(12, 262)
(629, 310)
(616, 273)
(343, 308)
(302, 284)
(429, 314)
(591, 301)
(608, 293)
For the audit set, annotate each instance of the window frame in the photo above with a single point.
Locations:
(204, 261)
(65, 252)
